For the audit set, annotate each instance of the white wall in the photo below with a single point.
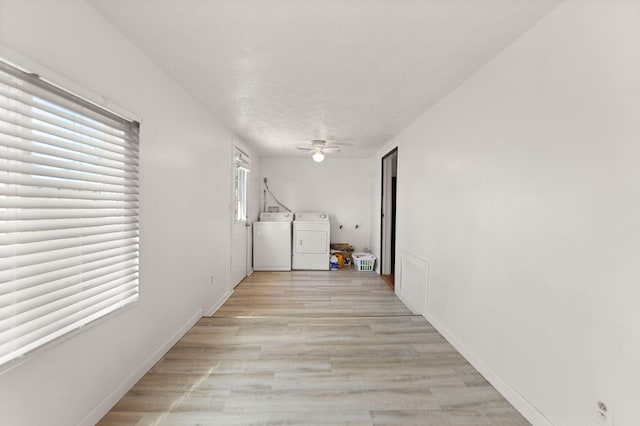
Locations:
(338, 186)
(525, 186)
(185, 212)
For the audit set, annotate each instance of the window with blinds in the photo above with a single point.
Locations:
(68, 212)
(240, 188)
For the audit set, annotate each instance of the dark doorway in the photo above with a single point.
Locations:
(388, 216)
(394, 186)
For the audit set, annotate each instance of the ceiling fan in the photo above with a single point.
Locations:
(319, 148)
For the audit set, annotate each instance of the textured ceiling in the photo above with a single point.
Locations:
(280, 72)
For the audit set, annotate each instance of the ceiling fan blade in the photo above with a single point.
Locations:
(320, 146)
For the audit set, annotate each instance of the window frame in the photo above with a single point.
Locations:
(241, 185)
(85, 106)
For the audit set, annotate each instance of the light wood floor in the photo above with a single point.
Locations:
(326, 348)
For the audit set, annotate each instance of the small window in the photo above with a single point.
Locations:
(240, 192)
(68, 212)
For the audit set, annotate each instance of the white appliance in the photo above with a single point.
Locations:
(272, 242)
(311, 232)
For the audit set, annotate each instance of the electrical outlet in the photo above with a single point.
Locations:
(265, 180)
(603, 412)
(211, 279)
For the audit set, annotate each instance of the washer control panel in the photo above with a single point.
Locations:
(276, 217)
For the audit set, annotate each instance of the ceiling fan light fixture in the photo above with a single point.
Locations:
(317, 156)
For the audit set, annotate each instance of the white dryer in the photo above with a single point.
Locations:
(311, 236)
(272, 242)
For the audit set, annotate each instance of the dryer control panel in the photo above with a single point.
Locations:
(312, 217)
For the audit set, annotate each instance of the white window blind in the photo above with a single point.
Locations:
(241, 176)
(68, 212)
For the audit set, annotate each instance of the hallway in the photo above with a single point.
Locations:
(313, 348)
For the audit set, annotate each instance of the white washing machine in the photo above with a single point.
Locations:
(272, 242)
(311, 235)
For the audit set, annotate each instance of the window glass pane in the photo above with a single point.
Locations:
(241, 172)
(241, 194)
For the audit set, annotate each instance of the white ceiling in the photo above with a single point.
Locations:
(280, 72)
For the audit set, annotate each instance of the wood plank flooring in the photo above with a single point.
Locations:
(389, 280)
(323, 348)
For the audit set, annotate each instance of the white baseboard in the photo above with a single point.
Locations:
(217, 306)
(403, 300)
(520, 403)
(103, 408)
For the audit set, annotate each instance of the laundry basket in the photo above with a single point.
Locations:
(364, 262)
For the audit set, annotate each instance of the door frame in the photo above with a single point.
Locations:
(387, 266)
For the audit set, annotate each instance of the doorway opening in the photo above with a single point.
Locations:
(388, 216)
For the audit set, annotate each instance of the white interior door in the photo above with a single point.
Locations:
(238, 252)
(240, 226)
